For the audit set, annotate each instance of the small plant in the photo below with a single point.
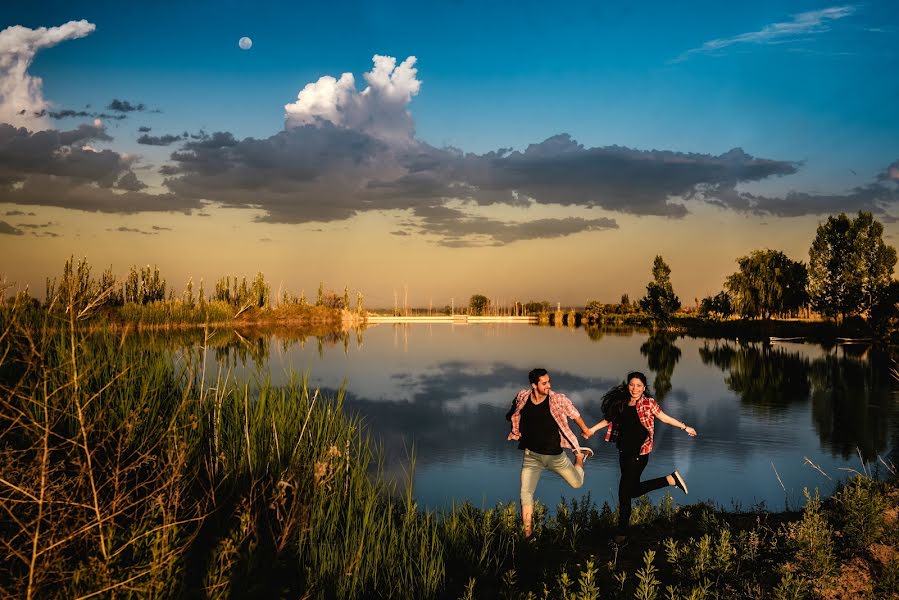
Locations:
(812, 540)
(588, 590)
(647, 582)
(859, 507)
(790, 587)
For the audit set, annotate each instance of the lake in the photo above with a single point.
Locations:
(772, 419)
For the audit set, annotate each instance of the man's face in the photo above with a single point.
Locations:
(542, 385)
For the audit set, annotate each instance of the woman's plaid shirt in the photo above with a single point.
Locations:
(647, 409)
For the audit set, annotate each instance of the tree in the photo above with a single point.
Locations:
(536, 307)
(660, 300)
(718, 306)
(850, 266)
(767, 283)
(594, 311)
(478, 304)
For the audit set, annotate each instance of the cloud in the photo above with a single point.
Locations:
(124, 229)
(458, 229)
(59, 153)
(17, 213)
(67, 113)
(162, 140)
(344, 153)
(130, 182)
(158, 228)
(379, 110)
(7, 229)
(36, 225)
(124, 106)
(802, 25)
(61, 168)
(143, 129)
(21, 94)
(877, 197)
(328, 173)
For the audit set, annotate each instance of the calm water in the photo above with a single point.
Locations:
(761, 411)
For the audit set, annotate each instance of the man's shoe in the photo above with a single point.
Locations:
(679, 482)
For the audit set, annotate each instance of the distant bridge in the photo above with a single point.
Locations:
(457, 319)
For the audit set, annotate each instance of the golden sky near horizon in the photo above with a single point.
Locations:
(362, 254)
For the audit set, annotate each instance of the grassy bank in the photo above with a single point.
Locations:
(123, 475)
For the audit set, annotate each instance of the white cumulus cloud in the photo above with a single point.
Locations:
(380, 110)
(21, 96)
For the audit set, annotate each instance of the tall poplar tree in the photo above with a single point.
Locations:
(660, 300)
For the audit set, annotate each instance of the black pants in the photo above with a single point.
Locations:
(630, 485)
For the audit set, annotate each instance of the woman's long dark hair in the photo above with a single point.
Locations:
(614, 401)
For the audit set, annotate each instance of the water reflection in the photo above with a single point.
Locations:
(661, 355)
(849, 387)
(766, 378)
(852, 399)
(445, 389)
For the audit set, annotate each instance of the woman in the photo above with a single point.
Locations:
(630, 414)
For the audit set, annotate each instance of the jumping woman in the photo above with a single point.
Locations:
(629, 413)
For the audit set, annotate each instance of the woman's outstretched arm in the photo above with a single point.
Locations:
(661, 416)
(590, 431)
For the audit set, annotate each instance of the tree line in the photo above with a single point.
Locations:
(849, 273)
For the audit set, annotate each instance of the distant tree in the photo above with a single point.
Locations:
(594, 311)
(359, 306)
(717, 306)
(260, 293)
(660, 300)
(766, 284)
(346, 298)
(188, 297)
(330, 299)
(201, 295)
(321, 294)
(625, 299)
(535, 307)
(850, 266)
(478, 304)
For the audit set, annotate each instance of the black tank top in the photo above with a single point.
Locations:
(539, 431)
(631, 433)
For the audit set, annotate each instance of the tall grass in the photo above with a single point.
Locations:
(124, 474)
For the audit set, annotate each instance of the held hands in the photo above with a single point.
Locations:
(591, 430)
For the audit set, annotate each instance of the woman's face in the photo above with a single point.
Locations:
(635, 387)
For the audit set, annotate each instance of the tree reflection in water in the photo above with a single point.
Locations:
(852, 401)
(661, 356)
(849, 388)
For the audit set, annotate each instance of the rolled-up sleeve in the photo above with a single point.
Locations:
(568, 407)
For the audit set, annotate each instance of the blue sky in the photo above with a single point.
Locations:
(810, 87)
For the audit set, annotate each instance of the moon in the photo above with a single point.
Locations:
(245, 43)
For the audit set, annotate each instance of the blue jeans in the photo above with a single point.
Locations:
(533, 464)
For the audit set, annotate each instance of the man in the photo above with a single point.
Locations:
(540, 424)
